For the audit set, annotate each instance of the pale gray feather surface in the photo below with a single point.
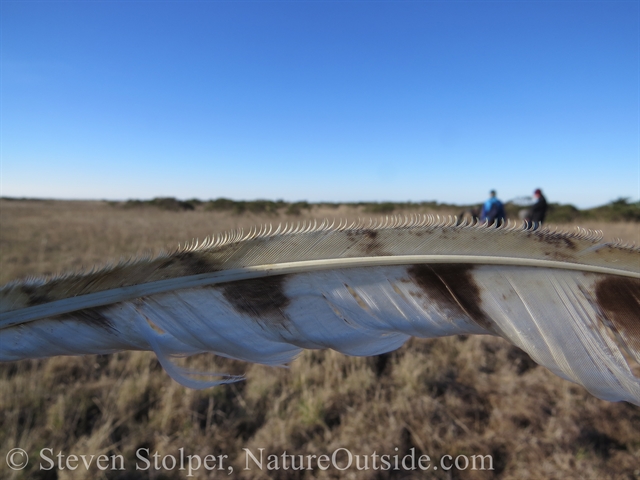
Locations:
(569, 301)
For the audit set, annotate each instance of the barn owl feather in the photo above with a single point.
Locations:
(571, 302)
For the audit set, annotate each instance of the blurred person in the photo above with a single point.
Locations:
(538, 211)
(493, 210)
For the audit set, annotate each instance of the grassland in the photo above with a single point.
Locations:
(451, 396)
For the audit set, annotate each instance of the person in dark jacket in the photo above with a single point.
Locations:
(493, 211)
(538, 211)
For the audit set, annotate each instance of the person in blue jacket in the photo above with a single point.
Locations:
(493, 211)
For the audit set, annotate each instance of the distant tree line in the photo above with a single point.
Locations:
(621, 209)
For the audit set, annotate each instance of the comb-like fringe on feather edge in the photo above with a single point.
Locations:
(263, 231)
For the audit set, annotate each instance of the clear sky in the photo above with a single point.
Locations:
(321, 100)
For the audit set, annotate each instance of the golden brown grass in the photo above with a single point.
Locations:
(457, 395)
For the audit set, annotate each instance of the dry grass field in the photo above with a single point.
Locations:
(458, 396)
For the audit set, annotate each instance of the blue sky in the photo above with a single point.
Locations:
(321, 100)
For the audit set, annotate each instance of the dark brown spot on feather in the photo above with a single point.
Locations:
(453, 289)
(195, 263)
(372, 245)
(555, 239)
(559, 256)
(35, 295)
(619, 299)
(604, 249)
(260, 298)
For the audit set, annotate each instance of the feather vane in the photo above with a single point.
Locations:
(571, 302)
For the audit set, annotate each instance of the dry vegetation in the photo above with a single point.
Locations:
(457, 395)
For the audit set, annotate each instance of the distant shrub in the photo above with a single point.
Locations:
(562, 213)
(133, 204)
(618, 210)
(195, 202)
(511, 210)
(265, 206)
(408, 205)
(170, 203)
(220, 204)
(296, 208)
(384, 207)
(163, 203)
(24, 199)
(239, 207)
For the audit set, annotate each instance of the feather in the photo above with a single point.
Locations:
(263, 296)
